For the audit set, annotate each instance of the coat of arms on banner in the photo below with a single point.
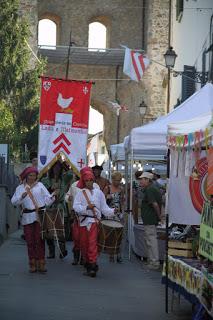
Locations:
(46, 85)
(64, 116)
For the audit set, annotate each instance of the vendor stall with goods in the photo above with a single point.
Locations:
(188, 269)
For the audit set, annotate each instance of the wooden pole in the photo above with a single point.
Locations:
(169, 45)
(168, 168)
(68, 56)
(167, 240)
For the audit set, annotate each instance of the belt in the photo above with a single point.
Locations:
(85, 216)
(32, 210)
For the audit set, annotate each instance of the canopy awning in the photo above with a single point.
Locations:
(84, 55)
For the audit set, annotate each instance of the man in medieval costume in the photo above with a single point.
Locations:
(58, 181)
(89, 205)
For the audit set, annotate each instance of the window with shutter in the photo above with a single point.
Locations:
(179, 9)
(188, 82)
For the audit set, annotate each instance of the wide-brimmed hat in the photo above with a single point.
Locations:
(97, 167)
(146, 175)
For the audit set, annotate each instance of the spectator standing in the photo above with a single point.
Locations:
(151, 216)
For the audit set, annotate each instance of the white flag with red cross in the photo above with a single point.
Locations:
(134, 64)
(63, 126)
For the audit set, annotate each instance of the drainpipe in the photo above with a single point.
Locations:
(143, 24)
(210, 76)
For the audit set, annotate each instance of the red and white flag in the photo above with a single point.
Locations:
(63, 127)
(134, 64)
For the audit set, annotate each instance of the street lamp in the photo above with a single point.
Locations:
(170, 57)
(142, 108)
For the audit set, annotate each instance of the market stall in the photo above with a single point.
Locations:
(189, 198)
(150, 141)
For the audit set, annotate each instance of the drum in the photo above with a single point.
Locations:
(52, 224)
(110, 236)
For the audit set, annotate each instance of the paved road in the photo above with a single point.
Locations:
(126, 291)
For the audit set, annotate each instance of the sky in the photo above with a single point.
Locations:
(47, 36)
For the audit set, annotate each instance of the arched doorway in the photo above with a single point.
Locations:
(96, 149)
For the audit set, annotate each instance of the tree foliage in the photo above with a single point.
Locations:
(19, 80)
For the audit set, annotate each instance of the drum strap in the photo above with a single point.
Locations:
(34, 202)
(89, 203)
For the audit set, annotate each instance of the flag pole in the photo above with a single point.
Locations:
(68, 56)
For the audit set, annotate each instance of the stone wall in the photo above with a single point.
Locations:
(29, 10)
(127, 24)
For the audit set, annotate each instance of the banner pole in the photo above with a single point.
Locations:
(167, 239)
(68, 56)
(130, 204)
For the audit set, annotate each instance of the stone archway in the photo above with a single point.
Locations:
(109, 118)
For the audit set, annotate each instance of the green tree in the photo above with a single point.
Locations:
(19, 79)
(6, 123)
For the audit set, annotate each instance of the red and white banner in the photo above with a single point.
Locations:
(134, 64)
(64, 116)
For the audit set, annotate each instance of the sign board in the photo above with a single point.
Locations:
(4, 151)
(206, 232)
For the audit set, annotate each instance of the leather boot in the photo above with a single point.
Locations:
(76, 256)
(87, 266)
(41, 266)
(93, 270)
(32, 264)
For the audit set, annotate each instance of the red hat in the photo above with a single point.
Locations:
(86, 173)
(27, 171)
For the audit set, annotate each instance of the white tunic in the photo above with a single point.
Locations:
(41, 195)
(97, 198)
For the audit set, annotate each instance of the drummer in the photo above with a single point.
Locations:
(69, 198)
(115, 199)
(89, 204)
(33, 196)
(58, 182)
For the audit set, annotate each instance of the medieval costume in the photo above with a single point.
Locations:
(33, 197)
(69, 198)
(89, 204)
(58, 182)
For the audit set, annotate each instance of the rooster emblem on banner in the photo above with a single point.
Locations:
(64, 103)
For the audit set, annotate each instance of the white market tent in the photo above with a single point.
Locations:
(190, 126)
(117, 152)
(185, 212)
(150, 141)
(151, 138)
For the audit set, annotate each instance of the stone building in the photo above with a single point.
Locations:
(139, 24)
